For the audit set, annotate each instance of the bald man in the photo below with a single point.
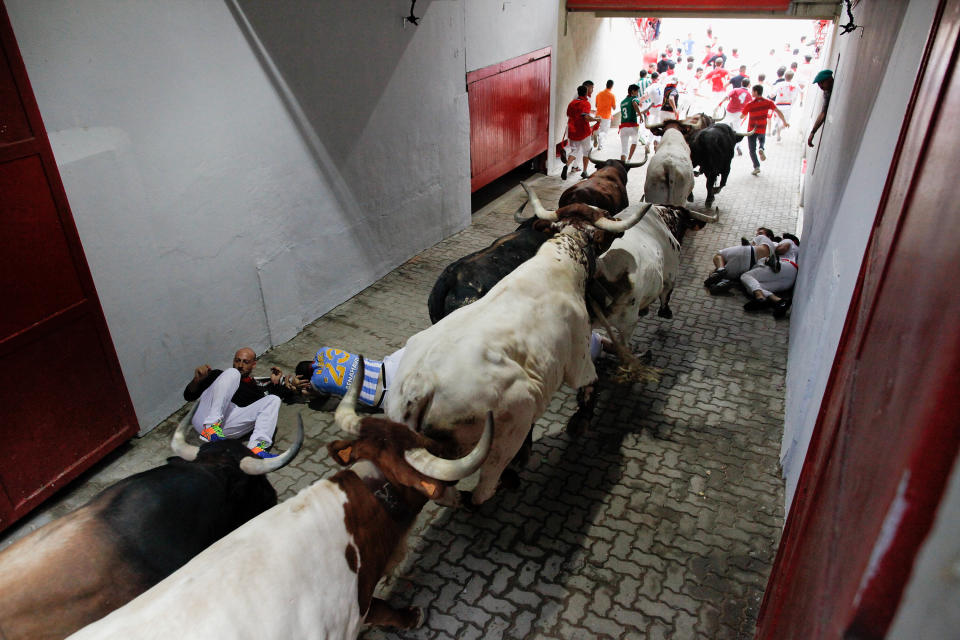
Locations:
(232, 403)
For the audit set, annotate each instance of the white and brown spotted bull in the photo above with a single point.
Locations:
(130, 536)
(307, 568)
(509, 351)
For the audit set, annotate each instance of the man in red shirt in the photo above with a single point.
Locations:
(738, 97)
(718, 77)
(757, 110)
(578, 130)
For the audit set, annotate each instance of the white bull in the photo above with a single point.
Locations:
(509, 351)
(306, 568)
(670, 171)
(644, 264)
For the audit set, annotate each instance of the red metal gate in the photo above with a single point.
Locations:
(886, 438)
(64, 404)
(509, 115)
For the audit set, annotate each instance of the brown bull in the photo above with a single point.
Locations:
(606, 188)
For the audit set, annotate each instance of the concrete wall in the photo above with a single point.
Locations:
(238, 168)
(845, 177)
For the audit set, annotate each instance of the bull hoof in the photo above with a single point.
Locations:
(578, 425)
(466, 502)
(665, 312)
(509, 480)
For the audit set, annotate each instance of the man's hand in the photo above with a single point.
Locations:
(201, 372)
(276, 376)
(297, 383)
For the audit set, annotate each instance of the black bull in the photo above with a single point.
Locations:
(711, 150)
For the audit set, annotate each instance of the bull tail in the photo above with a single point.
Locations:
(437, 302)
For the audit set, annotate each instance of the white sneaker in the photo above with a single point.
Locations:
(756, 171)
(762, 155)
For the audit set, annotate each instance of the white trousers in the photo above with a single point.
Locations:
(214, 404)
(763, 278)
(628, 138)
(736, 260)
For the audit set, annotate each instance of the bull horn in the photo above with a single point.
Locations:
(346, 416)
(518, 216)
(741, 136)
(617, 226)
(538, 209)
(179, 443)
(703, 217)
(452, 470)
(253, 466)
(634, 165)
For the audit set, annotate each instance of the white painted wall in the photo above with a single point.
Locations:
(842, 191)
(238, 168)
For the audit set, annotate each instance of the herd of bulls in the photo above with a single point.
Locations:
(199, 548)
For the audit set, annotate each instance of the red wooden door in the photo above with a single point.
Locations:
(64, 404)
(509, 115)
(886, 437)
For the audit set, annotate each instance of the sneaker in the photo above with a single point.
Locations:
(739, 151)
(721, 286)
(757, 304)
(715, 277)
(756, 171)
(780, 309)
(583, 175)
(762, 155)
(260, 450)
(212, 432)
(563, 174)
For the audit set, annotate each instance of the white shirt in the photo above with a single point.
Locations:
(786, 92)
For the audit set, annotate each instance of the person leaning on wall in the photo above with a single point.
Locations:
(824, 80)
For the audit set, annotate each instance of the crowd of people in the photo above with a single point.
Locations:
(749, 95)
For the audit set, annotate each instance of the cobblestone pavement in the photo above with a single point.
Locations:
(661, 521)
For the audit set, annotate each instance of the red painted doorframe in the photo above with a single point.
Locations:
(64, 404)
(886, 437)
(509, 115)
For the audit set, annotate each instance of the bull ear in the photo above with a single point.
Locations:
(343, 451)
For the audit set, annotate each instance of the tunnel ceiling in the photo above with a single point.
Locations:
(712, 8)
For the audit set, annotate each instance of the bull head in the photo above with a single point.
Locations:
(601, 221)
(251, 465)
(627, 165)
